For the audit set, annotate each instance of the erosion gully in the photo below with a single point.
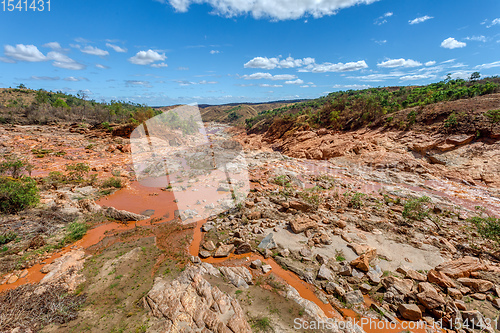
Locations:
(138, 198)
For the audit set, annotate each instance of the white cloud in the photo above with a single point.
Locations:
(392, 63)
(381, 42)
(351, 86)
(490, 65)
(417, 77)
(116, 48)
(420, 19)
(147, 57)
(378, 77)
(44, 78)
(430, 63)
(494, 22)
(182, 68)
(298, 81)
(277, 62)
(207, 82)
(268, 76)
(94, 51)
(382, 19)
(54, 46)
(101, 66)
(477, 38)
(214, 51)
(138, 83)
(23, 52)
(160, 65)
(459, 75)
(63, 61)
(339, 67)
(266, 85)
(452, 43)
(277, 10)
(75, 79)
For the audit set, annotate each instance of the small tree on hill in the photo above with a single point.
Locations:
(475, 76)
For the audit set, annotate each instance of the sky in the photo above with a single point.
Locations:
(165, 52)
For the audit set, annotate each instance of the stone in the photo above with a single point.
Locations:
(300, 206)
(204, 254)
(496, 303)
(479, 296)
(403, 286)
(363, 261)
(357, 274)
(285, 253)
(341, 224)
(375, 274)
(255, 215)
(410, 312)
(454, 293)
(477, 285)
(209, 246)
(324, 273)
(224, 251)
(301, 224)
(333, 288)
(256, 264)
(195, 260)
(240, 277)
(266, 268)
(414, 275)
(305, 252)
(354, 297)
(322, 259)
(268, 242)
(23, 274)
(440, 279)
(430, 299)
(461, 267)
(243, 248)
(460, 139)
(345, 270)
(460, 305)
(474, 319)
(12, 279)
(365, 288)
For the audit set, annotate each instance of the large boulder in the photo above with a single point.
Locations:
(478, 285)
(301, 224)
(461, 267)
(410, 312)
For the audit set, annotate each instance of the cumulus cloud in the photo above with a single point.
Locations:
(416, 77)
(268, 76)
(392, 63)
(214, 51)
(381, 42)
(54, 46)
(276, 10)
(75, 79)
(489, 65)
(147, 57)
(138, 83)
(277, 62)
(63, 61)
(452, 43)
(101, 66)
(339, 67)
(430, 63)
(94, 51)
(267, 85)
(420, 19)
(116, 48)
(44, 78)
(298, 81)
(21, 52)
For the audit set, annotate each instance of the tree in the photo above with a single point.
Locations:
(475, 76)
(21, 86)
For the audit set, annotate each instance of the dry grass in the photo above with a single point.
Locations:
(22, 307)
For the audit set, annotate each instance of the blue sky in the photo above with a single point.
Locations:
(162, 52)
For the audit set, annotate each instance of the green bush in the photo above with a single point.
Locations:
(75, 231)
(8, 237)
(488, 227)
(416, 209)
(112, 182)
(14, 167)
(451, 121)
(17, 194)
(494, 115)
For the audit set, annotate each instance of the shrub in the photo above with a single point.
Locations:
(451, 121)
(17, 194)
(14, 167)
(75, 231)
(488, 228)
(416, 209)
(355, 200)
(8, 237)
(494, 115)
(112, 182)
(78, 171)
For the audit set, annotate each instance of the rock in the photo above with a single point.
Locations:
(496, 303)
(365, 288)
(410, 312)
(240, 277)
(430, 299)
(474, 319)
(341, 224)
(454, 293)
(268, 242)
(414, 275)
(301, 224)
(460, 139)
(256, 264)
(359, 248)
(402, 286)
(204, 254)
(363, 261)
(266, 268)
(440, 279)
(243, 248)
(354, 297)
(374, 275)
(461, 267)
(207, 227)
(255, 215)
(345, 270)
(305, 252)
(460, 305)
(477, 284)
(357, 274)
(12, 279)
(324, 273)
(223, 251)
(478, 296)
(209, 246)
(23, 274)
(66, 270)
(300, 206)
(122, 215)
(36, 242)
(333, 288)
(285, 253)
(322, 259)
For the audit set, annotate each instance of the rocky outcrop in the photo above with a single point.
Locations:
(192, 302)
